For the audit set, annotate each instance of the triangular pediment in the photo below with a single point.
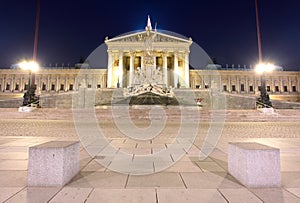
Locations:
(139, 36)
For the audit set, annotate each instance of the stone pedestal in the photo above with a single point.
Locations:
(53, 163)
(254, 165)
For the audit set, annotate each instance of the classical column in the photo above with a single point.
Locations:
(298, 84)
(281, 84)
(238, 84)
(3, 84)
(12, 84)
(102, 81)
(229, 83)
(165, 69)
(176, 69)
(48, 84)
(21, 83)
(131, 69)
(246, 88)
(220, 83)
(142, 60)
(57, 84)
(120, 72)
(66, 83)
(290, 84)
(39, 85)
(75, 83)
(272, 85)
(94, 82)
(186, 70)
(109, 70)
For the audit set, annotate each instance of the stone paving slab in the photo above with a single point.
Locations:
(13, 165)
(10, 178)
(70, 194)
(156, 180)
(240, 195)
(13, 155)
(210, 180)
(8, 192)
(275, 195)
(122, 195)
(290, 179)
(189, 195)
(295, 191)
(184, 166)
(210, 166)
(99, 180)
(34, 194)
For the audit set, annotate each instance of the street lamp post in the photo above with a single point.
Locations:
(261, 69)
(29, 98)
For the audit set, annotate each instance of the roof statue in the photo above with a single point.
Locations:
(148, 27)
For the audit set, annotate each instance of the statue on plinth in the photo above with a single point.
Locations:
(148, 78)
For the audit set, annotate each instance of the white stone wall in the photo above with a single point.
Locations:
(53, 80)
(62, 80)
(278, 82)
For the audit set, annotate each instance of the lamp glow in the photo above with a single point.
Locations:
(264, 68)
(29, 65)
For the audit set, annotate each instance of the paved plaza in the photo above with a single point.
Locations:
(188, 180)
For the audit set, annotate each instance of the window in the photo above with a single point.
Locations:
(43, 87)
(197, 86)
(268, 88)
(98, 86)
(180, 63)
(276, 88)
(285, 89)
(233, 88)
(52, 87)
(294, 89)
(71, 87)
(62, 87)
(251, 88)
(17, 87)
(242, 88)
(206, 86)
(224, 88)
(7, 86)
(26, 87)
(259, 88)
(89, 86)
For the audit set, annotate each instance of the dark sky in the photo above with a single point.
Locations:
(225, 29)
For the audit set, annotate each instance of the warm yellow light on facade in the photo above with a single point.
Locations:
(264, 68)
(178, 72)
(29, 65)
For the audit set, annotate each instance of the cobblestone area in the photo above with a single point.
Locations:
(66, 128)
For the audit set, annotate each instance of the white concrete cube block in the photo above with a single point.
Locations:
(254, 165)
(53, 163)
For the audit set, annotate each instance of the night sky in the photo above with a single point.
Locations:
(225, 29)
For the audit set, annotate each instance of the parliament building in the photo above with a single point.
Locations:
(170, 66)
